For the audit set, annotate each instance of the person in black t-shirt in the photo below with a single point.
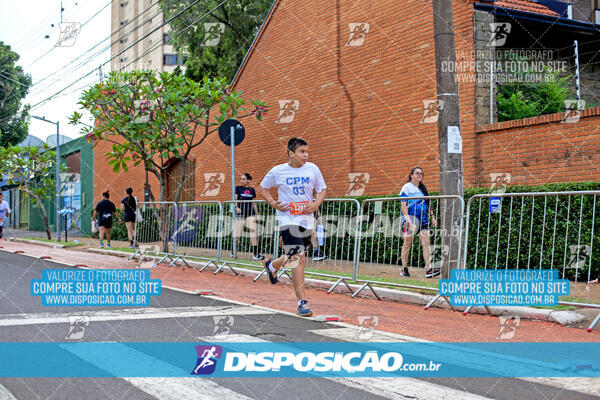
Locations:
(246, 213)
(129, 205)
(105, 212)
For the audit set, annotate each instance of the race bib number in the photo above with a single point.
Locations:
(297, 207)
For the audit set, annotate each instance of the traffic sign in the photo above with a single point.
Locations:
(238, 132)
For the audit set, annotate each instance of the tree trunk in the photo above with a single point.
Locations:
(181, 180)
(40, 206)
(165, 214)
(148, 195)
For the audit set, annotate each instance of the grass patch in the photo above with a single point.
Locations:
(66, 244)
(124, 249)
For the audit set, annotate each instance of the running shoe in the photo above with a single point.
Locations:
(303, 309)
(108, 245)
(431, 272)
(101, 245)
(405, 273)
(271, 275)
(258, 257)
(317, 256)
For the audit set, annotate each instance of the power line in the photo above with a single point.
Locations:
(177, 34)
(10, 79)
(122, 51)
(96, 45)
(82, 25)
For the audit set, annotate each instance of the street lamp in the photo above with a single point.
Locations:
(57, 172)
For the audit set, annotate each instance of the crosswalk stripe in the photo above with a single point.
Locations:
(347, 332)
(184, 388)
(129, 314)
(582, 385)
(161, 388)
(5, 394)
(350, 335)
(390, 388)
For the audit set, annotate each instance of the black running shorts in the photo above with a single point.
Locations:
(295, 239)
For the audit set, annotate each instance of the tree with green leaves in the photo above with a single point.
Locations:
(34, 170)
(14, 85)
(155, 120)
(214, 37)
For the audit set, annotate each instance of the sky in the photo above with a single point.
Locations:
(24, 25)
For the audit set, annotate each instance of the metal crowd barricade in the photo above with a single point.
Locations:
(333, 241)
(547, 230)
(382, 240)
(200, 232)
(333, 238)
(241, 230)
(153, 235)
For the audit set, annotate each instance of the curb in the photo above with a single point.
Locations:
(40, 243)
(560, 317)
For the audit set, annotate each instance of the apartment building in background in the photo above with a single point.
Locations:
(132, 20)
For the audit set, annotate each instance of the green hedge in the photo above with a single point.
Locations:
(534, 232)
(506, 247)
(547, 240)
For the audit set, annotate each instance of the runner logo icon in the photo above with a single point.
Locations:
(358, 34)
(207, 359)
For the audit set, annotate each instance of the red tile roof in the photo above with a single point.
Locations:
(527, 6)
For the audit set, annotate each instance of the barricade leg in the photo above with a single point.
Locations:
(284, 271)
(437, 296)
(468, 309)
(225, 264)
(365, 285)
(208, 263)
(174, 262)
(165, 257)
(341, 280)
(593, 324)
(257, 277)
(134, 255)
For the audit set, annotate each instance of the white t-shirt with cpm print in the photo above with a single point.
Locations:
(295, 187)
(4, 208)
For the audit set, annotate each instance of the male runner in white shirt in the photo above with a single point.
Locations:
(4, 211)
(296, 182)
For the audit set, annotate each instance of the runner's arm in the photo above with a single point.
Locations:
(314, 206)
(269, 199)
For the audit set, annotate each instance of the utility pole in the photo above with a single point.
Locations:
(449, 134)
(57, 172)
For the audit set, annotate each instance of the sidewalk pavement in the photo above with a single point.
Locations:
(406, 319)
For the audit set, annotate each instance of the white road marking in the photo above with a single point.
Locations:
(128, 314)
(390, 388)
(160, 388)
(348, 334)
(5, 394)
(407, 388)
(581, 385)
(184, 388)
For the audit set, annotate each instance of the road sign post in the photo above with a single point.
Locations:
(232, 133)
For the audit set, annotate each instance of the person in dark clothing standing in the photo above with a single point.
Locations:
(129, 206)
(246, 214)
(105, 212)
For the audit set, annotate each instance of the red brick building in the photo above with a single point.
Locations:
(356, 78)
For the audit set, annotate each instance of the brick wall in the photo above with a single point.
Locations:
(360, 107)
(542, 149)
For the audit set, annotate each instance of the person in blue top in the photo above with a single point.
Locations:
(417, 216)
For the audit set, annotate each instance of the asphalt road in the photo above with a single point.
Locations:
(182, 317)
